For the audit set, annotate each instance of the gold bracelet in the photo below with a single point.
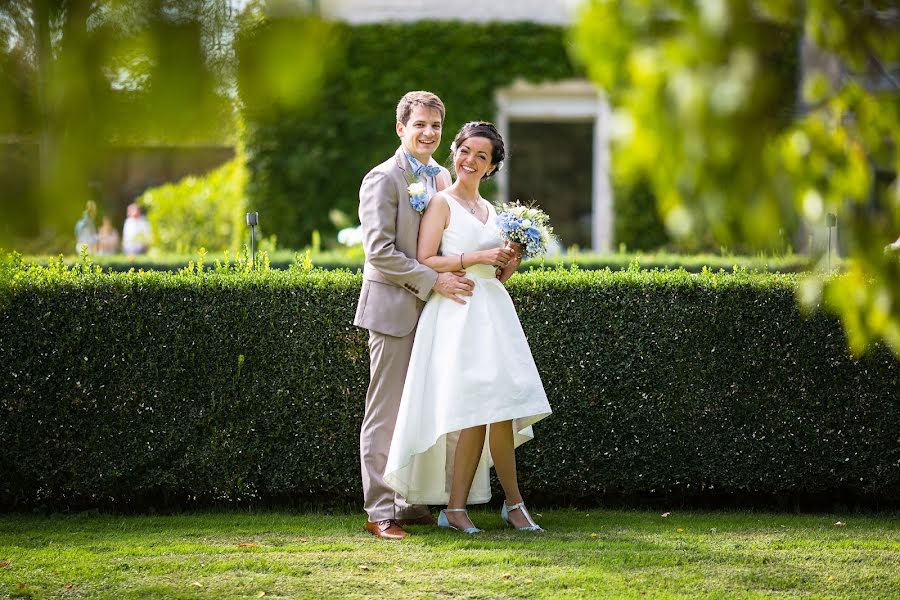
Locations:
(461, 265)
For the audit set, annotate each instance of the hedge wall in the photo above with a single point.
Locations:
(353, 259)
(175, 389)
(308, 161)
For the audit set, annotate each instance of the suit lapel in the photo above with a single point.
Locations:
(402, 173)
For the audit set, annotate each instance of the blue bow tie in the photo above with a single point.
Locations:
(430, 170)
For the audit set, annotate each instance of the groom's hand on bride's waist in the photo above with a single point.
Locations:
(454, 285)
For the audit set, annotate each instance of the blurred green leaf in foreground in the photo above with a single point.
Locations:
(696, 113)
(80, 76)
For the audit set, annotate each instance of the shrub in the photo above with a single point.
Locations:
(228, 384)
(637, 225)
(200, 212)
(352, 258)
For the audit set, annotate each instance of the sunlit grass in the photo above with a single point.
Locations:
(582, 555)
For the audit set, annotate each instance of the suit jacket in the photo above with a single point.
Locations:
(395, 285)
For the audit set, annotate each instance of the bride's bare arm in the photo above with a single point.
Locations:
(434, 221)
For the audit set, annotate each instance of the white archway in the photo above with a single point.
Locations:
(565, 102)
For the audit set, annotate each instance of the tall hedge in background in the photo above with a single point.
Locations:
(305, 162)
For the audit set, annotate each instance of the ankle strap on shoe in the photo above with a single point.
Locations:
(456, 510)
(515, 506)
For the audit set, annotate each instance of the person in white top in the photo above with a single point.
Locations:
(136, 233)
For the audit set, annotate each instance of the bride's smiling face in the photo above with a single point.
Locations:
(472, 158)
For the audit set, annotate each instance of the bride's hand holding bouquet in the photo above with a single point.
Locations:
(526, 230)
(528, 227)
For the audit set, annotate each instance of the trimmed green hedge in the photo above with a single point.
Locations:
(283, 259)
(139, 389)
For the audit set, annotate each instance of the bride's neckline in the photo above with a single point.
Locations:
(469, 212)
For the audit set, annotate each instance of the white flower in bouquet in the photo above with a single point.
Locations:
(527, 226)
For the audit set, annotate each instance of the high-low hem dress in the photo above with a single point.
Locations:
(470, 365)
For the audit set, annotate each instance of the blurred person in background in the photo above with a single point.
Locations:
(86, 229)
(107, 238)
(136, 232)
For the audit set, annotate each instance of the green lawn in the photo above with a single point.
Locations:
(584, 554)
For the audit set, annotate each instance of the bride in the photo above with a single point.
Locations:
(471, 375)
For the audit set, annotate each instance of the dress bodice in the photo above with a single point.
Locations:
(465, 233)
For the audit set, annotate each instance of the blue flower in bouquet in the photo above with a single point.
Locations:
(527, 226)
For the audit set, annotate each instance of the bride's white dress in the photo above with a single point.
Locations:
(470, 365)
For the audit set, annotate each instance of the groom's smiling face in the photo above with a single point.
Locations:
(421, 133)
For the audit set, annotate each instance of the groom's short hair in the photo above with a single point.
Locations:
(418, 98)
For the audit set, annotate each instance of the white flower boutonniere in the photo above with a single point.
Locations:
(418, 196)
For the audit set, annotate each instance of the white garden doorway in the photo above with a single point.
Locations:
(557, 137)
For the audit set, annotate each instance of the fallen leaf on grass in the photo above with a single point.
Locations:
(506, 576)
(247, 545)
(260, 594)
(21, 586)
(398, 569)
(197, 584)
(364, 567)
(593, 535)
(4, 563)
(665, 514)
(830, 578)
(680, 530)
(840, 523)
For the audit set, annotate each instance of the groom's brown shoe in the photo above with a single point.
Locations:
(426, 519)
(388, 529)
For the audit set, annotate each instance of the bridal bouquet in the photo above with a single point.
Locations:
(527, 226)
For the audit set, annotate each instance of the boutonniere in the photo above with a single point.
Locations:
(418, 195)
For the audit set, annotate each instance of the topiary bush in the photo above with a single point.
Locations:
(637, 225)
(200, 212)
(228, 384)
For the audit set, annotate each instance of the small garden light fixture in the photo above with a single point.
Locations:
(253, 221)
(831, 222)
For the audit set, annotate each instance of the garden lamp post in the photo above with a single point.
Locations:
(253, 221)
(831, 222)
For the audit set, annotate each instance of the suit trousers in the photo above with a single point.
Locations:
(388, 361)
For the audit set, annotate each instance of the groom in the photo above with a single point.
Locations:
(395, 287)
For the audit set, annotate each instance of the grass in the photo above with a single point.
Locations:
(582, 555)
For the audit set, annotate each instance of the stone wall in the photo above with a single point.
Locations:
(558, 12)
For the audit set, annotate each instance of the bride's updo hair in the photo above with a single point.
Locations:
(483, 129)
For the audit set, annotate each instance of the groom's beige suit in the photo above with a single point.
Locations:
(394, 289)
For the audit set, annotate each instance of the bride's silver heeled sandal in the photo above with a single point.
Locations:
(445, 523)
(504, 514)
